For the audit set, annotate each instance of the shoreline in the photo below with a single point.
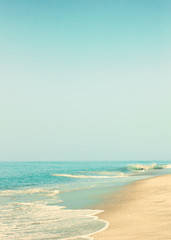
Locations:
(140, 210)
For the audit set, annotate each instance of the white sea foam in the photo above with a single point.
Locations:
(110, 173)
(85, 176)
(89, 236)
(30, 192)
(31, 214)
(140, 167)
(37, 220)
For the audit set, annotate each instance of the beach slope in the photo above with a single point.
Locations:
(140, 211)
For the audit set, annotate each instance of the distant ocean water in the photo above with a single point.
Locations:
(52, 200)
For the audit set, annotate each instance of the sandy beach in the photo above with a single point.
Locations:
(140, 211)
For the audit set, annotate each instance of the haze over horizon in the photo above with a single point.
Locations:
(85, 80)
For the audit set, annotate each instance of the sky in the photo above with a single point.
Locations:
(85, 80)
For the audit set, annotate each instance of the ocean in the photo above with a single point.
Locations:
(55, 200)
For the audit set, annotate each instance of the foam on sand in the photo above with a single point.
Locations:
(40, 221)
(35, 214)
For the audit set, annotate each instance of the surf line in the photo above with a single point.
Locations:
(83, 176)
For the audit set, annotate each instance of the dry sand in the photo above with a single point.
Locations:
(141, 211)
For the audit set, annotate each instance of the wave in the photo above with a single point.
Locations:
(108, 173)
(140, 167)
(34, 218)
(86, 176)
(48, 192)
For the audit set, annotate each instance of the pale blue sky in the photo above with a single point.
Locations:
(85, 80)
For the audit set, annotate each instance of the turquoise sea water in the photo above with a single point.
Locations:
(52, 200)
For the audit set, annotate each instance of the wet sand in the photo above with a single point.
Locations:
(140, 211)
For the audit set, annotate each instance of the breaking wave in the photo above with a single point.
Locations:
(35, 213)
(140, 167)
(47, 192)
(37, 220)
(113, 175)
(85, 176)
